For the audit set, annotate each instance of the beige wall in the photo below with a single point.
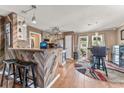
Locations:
(111, 38)
(120, 42)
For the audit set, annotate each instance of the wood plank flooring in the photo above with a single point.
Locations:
(71, 78)
(9, 83)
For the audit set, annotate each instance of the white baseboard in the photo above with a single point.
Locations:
(54, 80)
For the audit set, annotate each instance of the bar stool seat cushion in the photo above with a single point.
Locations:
(10, 61)
(24, 63)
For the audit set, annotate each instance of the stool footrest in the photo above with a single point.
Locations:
(23, 69)
(30, 84)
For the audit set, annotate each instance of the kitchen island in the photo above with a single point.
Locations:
(47, 61)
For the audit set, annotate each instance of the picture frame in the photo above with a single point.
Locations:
(122, 34)
(35, 39)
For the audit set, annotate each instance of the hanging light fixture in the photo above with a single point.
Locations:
(34, 19)
(33, 7)
(56, 30)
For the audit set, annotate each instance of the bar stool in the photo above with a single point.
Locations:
(99, 54)
(10, 63)
(24, 77)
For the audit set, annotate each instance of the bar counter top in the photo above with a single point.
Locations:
(47, 61)
(33, 49)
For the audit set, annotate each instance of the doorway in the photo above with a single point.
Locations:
(68, 46)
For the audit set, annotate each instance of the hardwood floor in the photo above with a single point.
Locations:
(71, 78)
(9, 83)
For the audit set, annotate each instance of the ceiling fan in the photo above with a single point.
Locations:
(53, 31)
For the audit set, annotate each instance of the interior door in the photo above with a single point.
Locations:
(68, 46)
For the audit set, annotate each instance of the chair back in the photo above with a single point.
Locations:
(99, 51)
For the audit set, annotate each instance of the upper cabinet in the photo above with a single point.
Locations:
(21, 29)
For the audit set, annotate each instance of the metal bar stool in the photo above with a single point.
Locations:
(10, 63)
(25, 67)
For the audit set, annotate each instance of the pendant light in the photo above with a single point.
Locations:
(34, 18)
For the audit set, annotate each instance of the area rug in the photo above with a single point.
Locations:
(115, 73)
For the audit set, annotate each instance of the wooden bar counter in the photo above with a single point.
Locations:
(46, 59)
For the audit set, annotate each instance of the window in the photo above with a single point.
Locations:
(98, 40)
(83, 45)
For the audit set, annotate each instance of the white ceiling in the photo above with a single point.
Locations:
(72, 18)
